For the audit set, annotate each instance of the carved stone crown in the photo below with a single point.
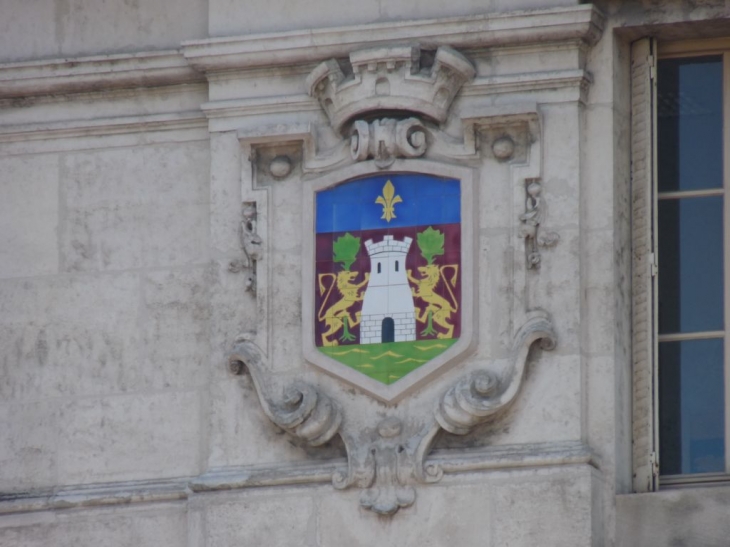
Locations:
(388, 79)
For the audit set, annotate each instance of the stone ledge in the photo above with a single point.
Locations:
(583, 23)
(103, 126)
(452, 462)
(102, 72)
(531, 82)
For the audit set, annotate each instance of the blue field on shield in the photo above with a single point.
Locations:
(426, 200)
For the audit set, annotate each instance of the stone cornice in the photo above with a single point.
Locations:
(481, 86)
(97, 73)
(453, 462)
(103, 126)
(216, 56)
(260, 105)
(584, 23)
(533, 81)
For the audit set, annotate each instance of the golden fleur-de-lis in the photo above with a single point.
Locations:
(388, 201)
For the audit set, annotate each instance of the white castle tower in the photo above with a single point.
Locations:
(388, 312)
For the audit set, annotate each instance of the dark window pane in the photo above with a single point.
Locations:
(691, 404)
(689, 114)
(690, 265)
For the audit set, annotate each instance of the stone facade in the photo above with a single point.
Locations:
(155, 171)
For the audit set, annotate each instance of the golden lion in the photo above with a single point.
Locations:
(338, 316)
(437, 310)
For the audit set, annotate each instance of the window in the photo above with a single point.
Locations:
(681, 228)
(690, 211)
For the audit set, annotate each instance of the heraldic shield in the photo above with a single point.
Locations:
(388, 283)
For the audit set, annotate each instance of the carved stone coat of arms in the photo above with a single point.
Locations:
(390, 262)
(390, 253)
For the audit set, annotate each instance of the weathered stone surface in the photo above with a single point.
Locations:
(164, 524)
(28, 215)
(546, 410)
(686, 517)
(453, 514)
(129, 437)
(557, 288)
(255, 519)
(121, 180)
(552, 512)
(68, 336)
(147, 208)
(228, 18)
(28, 446)
(225, 193)
(240, 433)
(77, 27)
(176, 329)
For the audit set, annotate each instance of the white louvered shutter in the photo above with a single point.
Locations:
(643, 199)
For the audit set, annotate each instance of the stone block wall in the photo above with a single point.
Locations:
(122, 181)
(130, 136)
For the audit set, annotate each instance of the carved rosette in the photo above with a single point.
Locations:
(387, 460)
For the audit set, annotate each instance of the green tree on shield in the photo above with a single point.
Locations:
(431, 243)
(345, 249)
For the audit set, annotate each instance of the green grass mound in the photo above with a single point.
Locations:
(389, 362)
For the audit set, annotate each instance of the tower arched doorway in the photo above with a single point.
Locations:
(387, 330)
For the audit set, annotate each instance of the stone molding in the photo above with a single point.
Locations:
(257, 106)
(404, 143)
(218, 111)
(97, 73)
(388, 79)
(453, 462)
(582, 23)
(217, 57)
(103, 126)
(530, 81)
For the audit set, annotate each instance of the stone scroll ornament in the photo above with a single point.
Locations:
(386, 139)
(301, 410)
(386, 461)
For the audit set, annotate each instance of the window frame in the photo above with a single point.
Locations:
(646, 263)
